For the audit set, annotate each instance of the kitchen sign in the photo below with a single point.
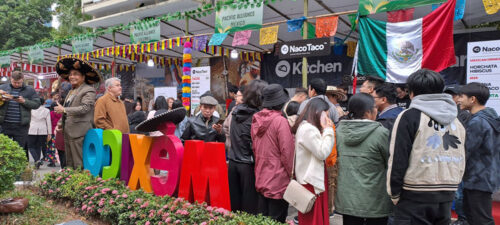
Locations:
(305, 48)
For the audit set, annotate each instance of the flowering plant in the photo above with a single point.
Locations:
(112, 201)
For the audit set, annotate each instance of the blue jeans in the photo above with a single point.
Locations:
(459, 202)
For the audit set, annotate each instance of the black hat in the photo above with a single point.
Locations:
(274, 95)
(453, 89)
(65, 65)
(162, 116)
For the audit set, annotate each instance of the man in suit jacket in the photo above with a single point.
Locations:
(78, 107)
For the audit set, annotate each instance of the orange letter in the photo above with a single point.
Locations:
(141, 149)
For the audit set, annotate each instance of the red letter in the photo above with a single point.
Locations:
(141, 149)
(209, 181)
(127, 160)
(166, 155)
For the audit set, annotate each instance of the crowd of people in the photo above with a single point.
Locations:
(387, 155)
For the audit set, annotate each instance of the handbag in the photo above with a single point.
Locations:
(297, 195)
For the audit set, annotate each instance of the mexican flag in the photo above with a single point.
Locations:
(394, 51)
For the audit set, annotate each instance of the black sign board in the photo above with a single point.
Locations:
(304, 48)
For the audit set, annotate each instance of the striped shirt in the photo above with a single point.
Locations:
(13, 114)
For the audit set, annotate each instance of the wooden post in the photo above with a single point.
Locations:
(113, 63)
(304, 36)
(21, 59)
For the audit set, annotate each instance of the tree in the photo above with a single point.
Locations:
(24, 22)
(70, 14)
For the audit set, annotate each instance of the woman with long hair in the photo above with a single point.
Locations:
(363, 151)
(170, 102)
(314, 138)
(240, 155)
(160, 104)
(136, 117)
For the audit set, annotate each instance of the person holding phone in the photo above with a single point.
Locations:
(15, 113)
(313, 144)
(363, 151)
(204, 126)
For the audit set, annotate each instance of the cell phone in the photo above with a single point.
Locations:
(323, 118)
(15, 96)
(220, 122)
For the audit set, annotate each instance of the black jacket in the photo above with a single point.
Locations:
(482, 152)
(32, 102)
(198, 128)
(135, 119)
(241, 123)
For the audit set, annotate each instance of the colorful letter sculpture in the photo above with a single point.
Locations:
(112, 139)
(94, 154)
(141, 149)
(166, 155)
(210, 185)
(127, 159)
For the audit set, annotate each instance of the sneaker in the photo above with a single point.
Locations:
(38, 164)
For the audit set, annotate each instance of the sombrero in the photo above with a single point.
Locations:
(336, 92)
(65, 65)
(174, 116)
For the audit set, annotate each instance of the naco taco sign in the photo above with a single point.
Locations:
(196, 171)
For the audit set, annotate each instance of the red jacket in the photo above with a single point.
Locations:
(273, 146)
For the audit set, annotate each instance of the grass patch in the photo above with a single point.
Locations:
(39, 211)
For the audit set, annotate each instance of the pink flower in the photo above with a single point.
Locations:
(99, 210)
(84, 207)
(50, 191)
(145, 204)
(85, 196)
(67, 178)
(58, 178)
(177, 221)
(114, 192)
(111, 201)
(44, 183)
(63, 182)
(99, 179)
(147, 223)
(124, 196)
(203, 223)
(133, 215)
(168, 220)
(289, 222)
(104, 190)
(139, 200)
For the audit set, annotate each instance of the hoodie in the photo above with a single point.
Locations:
(273, 148)
(239, 134)
(363, 149)
(427, 151)
(482, 152)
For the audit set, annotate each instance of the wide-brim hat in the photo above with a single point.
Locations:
(65, 65)
(273, 95)
(151, 125)
(336, 93)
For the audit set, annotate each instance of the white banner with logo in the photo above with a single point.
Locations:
(200, 83)
(483, 66)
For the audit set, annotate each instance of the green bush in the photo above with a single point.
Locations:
(12, 162)
(114, 202)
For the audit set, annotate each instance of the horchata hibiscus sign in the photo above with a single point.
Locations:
(367, 7)
(231, 19)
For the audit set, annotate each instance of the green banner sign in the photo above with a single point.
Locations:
(83, 45)
(145, 32)
(4, 61)
(367, 7)
(35, 55)
(230, 20)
